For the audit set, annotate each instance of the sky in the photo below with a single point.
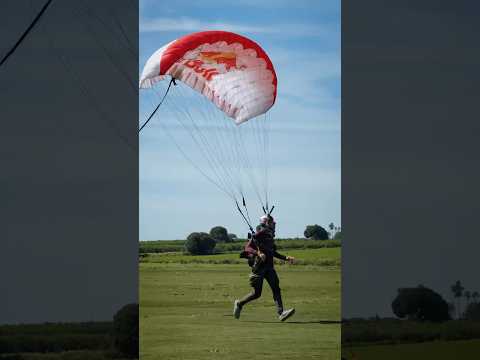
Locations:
(302, 39)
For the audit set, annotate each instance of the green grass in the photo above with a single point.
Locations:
(186, 311)
(402, 331)
(55, 337)
(65, 355)
(322, 257)
(438, 350)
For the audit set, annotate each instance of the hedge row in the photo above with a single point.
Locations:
(178, 245)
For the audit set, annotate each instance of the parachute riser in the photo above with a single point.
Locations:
(266, 211)
(243, 216)
(271, 210)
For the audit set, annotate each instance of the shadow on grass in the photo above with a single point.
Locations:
(324, 322)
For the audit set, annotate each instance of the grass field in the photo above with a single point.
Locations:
(438, 350)
(64, 355)
(394, 331)
(408, 339)
(323, 257)
(186, 310)
(58, 341)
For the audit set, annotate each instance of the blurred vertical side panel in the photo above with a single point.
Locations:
(69, 160)
(410, 179)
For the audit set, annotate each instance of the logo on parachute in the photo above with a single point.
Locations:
(211, 63)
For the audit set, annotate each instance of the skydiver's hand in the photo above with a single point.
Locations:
(290, 259)
(262, 256)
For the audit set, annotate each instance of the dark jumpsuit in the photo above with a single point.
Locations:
(264, 269)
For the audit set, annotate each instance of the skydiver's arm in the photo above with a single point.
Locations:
(279, 256)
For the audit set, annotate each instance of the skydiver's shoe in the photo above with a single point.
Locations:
(286, 314)
(236, 309)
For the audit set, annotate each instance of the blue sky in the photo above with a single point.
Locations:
(302, 38)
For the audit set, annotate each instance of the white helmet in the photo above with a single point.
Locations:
(265, 219)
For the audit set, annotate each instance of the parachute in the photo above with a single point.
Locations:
(224, 84)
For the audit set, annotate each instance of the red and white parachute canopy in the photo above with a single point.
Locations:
(232, 71)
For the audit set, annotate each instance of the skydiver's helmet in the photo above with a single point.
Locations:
(268, 220)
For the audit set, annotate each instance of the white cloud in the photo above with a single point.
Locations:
(163, 24)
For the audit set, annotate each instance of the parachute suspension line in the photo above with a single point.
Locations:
(196, 166)
(124, 33)
(100, 44)
(218, 160)
(195, 132)
(201, 140)
(172, 81)
(244, 218)
(231, 155)
(246, 209)
(87, 94)
(219, 141)
(267, 152)
(211, 151)
(242, 151)
(206, 153)
(128, 43)
(262, 143)
(209, 178)
(263, 156)
(26, 32)
(241, 154)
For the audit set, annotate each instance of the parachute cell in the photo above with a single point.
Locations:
(230, 70)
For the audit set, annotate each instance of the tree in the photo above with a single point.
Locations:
(475, 296)
(232, 237)
(219, 234)
(331, 226)
(338, 235)
(451, 309)
(199, 243)
(420, 303)
(125, 330)
(472, 312)
(457, 290)
(467, 295)
(315, 232)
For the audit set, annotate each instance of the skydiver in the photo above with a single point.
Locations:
(260, 251)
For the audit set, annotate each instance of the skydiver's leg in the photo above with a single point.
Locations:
(272, 279)
(256, 282)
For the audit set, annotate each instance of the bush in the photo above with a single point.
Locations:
(55, 337)
(125, 330)
(199, 243)
(219, 234)
(315, 232)
(473, 311)
(420, 303)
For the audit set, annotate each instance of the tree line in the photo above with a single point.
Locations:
(203, 243)
(423, 304)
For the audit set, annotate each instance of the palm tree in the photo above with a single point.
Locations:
(331, 227)
(457, 290)
(451, 309)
